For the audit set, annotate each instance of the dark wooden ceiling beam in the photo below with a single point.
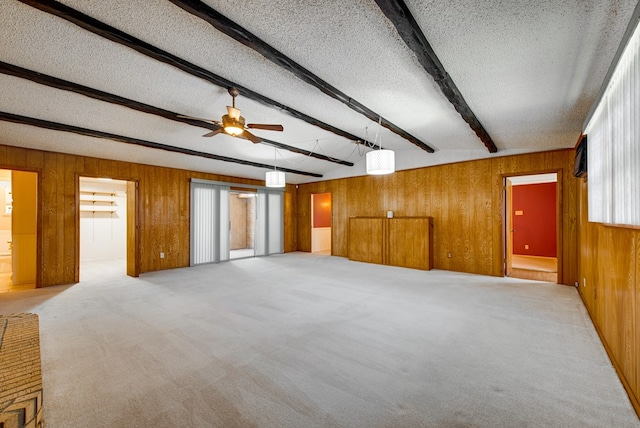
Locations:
(400, 16)
(100, 28)
(65, 85)
(242, 35)
(55, 126)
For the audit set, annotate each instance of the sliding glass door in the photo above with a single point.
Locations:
(209, 222)
(211, 227)
(269, 222)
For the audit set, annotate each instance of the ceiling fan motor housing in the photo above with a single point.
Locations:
(233, 126)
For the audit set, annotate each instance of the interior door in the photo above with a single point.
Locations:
(509, 227)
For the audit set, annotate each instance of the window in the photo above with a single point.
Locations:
(614, 143)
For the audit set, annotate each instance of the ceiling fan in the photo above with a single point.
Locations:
(233, 124)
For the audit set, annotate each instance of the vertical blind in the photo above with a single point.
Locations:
(210, 226)
(269, 234)
(614, 144)
(209, 222)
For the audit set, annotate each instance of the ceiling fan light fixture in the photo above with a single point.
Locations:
(233, 130)
(233, 127)
(233, 113)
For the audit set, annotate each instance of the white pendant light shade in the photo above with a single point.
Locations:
(274, 179)
(380, 162)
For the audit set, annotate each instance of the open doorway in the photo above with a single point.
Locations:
(103, 227)
(18, 229)
(532, 227)
(321, 223)
(242, 219)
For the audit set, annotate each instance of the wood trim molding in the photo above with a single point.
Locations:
(24, 120)
(66, 85)
(244, 36)
(400, 16)
(108, 32)
(560, 226)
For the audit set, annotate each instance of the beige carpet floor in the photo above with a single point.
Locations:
(304, 340)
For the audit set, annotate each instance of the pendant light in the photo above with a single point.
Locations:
(274, 178)
(380, 162)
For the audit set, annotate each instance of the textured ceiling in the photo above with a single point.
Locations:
(529, 70)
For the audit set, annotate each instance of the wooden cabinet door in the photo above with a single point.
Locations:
(409, 242)
(366, 239)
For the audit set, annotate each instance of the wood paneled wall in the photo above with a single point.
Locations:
(465, 200)
(164, 208)
(609, 275)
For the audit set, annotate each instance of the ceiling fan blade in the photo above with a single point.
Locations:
(196, 118)
(212, 133)
(265, 126)
(249, 136)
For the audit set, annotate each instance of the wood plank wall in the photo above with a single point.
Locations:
(164, 206)
(609, 274)
(465, 200)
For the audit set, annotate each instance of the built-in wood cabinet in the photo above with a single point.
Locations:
(400, 241)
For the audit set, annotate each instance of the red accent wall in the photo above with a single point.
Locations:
(536, 227)
(321, 210)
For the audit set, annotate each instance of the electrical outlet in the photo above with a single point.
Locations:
(162, 255)
(449, 255)
(526, 246)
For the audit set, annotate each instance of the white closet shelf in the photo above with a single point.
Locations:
(97, 198)
(98, 208)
